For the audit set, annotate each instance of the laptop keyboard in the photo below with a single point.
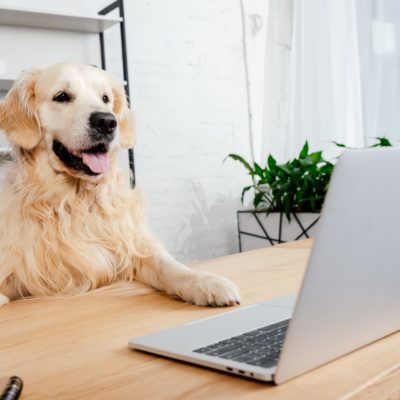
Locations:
(260, 347)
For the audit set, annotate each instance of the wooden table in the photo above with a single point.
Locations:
(76, 348)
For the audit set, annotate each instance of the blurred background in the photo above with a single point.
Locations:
(208, 78)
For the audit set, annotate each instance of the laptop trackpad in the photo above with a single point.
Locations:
(244, 319)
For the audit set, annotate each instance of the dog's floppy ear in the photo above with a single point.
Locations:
(124, 116)
(18, 114)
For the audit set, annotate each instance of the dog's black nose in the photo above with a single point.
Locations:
(104, 123)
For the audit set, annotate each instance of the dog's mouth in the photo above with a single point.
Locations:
(92, 161)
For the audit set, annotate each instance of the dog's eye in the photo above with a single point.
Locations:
(106, 99)
(62, 97)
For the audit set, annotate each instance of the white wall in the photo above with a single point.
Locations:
(188, 93)
(188, 90)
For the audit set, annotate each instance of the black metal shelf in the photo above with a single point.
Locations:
(58, 21)
(119, 4)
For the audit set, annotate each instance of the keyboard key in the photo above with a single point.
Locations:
(265, 362)
(234, 353)
(243, 358)
(222, 350)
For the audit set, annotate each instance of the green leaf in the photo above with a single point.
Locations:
(236, 157)
(259, 171)
(271, 162)
(340, 145)
(286, 168)
(316, 157)
(297, 185)
(304, 151)
(258, 199)
(245, 189)
(382, 142)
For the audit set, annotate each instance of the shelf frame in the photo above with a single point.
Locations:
(56, 21)
(119, 4)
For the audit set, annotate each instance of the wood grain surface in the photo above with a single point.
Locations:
(76, 348)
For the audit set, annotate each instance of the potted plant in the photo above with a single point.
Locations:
(287, 198)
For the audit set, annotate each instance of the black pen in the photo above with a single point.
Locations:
(13, 389)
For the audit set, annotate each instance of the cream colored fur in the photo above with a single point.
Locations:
(64, 232)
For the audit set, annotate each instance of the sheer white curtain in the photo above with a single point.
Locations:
(378, 23)
(326, 94)
(332, 73)
(277, 80)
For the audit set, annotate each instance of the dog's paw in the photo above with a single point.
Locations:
(3, 300)
(205, 289)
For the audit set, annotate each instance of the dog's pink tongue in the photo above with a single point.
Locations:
(97, 162)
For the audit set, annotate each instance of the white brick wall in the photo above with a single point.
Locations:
(188, 93)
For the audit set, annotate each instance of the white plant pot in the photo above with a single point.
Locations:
(256, 229)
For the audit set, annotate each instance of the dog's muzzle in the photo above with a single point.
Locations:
(93, 159)
(102, 126)
(90, 161)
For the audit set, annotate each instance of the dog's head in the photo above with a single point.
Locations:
(77, 113)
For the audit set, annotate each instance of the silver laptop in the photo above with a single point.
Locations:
(350, 294)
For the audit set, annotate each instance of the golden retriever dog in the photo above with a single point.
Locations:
(69, 223)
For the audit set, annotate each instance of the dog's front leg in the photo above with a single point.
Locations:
(164, 273)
